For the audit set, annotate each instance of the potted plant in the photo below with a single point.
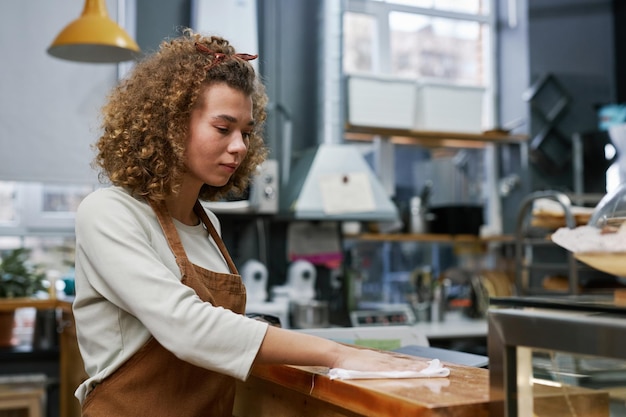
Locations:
(18, 278)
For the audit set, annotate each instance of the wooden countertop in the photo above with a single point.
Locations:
(280, 390)
(277, 390)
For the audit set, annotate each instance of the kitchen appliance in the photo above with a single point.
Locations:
(332, 174)
(261, 197)
(309, 314)
(455, 219)
(254, 275)
(383, 315)
(305, 311)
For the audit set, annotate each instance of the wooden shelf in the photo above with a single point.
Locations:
(9, 304)
(432, 138)
(432, 238)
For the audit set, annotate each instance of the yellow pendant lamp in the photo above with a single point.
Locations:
(94, 37)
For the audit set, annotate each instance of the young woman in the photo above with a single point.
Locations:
(159, 301)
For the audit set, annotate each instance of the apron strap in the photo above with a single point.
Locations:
(171, 234)
(173, 239)
(216, 237)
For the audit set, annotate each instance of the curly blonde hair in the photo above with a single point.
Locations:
(146, 119)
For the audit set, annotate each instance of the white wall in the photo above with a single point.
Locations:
(233, 20)
(48, 107)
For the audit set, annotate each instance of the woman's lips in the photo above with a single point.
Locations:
(230, 167)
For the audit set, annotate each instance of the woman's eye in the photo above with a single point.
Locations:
(222, 130)
(247, 135)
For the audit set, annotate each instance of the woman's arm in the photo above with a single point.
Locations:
(281, 346)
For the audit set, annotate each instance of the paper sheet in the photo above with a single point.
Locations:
(347, 193)
(584, 239)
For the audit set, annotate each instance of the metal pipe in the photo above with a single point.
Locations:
(330, 123)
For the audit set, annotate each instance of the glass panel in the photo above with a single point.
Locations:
(53, 252)
(63, 198)
(27, 208)
(360, 33)
(565, 384)
(391, 273)
(10, 242)
(460, 6)
(438, 48)
(8, 204)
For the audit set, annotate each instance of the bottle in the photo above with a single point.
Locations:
(416, 216)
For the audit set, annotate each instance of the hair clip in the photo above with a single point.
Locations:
(219, 57)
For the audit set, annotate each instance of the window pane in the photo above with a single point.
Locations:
(360, 32)
(449, 50)
(28, 208)
(8, 204)
(63, 198)
(460, 6)
(576, 384)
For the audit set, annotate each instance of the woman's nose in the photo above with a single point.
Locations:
(238, 144)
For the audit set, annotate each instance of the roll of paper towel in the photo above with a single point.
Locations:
(254, 276)
(301, 280)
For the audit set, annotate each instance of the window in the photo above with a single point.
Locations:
(8, 204)
(447, 41)
(40, 217)
(436, 48)
(463, 6)
(32, 208)
(359, 40)
(444, 52)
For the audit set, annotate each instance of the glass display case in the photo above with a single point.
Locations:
(557, 356)
(430, 277)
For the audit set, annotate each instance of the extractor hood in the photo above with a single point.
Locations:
(334, 182)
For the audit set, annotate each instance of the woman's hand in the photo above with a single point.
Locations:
(357, 359)
(292, 348)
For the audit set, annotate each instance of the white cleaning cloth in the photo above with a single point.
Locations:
(434, 369)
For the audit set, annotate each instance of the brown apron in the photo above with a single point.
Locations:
(154, 382)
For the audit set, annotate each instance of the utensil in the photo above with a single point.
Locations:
(309, 314)
(425, 194)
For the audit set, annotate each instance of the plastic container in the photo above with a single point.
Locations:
(449, 108)
(416, 215)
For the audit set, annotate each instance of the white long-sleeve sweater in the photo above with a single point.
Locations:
(128, 288)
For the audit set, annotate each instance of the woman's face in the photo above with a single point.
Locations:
(219, 135)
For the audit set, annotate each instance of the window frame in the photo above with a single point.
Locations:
(381, 61)
(33, 219)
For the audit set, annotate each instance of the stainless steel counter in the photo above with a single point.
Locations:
(576, 329)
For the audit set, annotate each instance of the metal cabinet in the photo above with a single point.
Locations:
(553, 356)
